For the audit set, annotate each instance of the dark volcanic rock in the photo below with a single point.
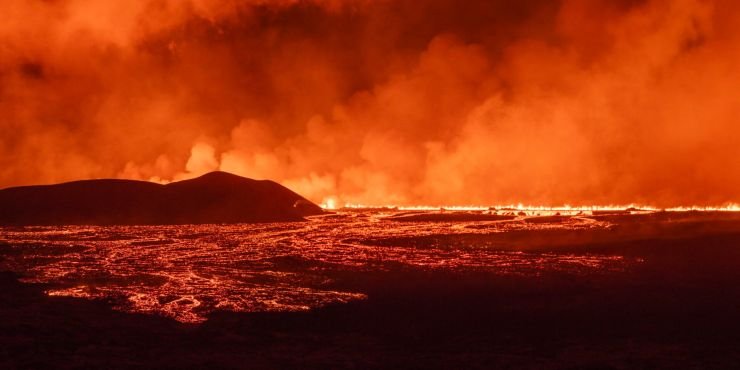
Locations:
(217, 197)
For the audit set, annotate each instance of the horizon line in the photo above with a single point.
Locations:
(729, 207)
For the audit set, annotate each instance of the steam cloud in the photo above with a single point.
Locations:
(378, 102)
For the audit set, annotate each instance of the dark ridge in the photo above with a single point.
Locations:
(217, 197)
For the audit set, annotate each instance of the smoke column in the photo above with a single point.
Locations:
(381, 102)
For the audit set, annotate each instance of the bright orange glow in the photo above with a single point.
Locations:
(329, 203)
(531, 209)
(381, 102)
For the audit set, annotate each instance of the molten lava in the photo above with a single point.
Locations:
(187, 272)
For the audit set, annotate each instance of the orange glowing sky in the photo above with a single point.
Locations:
(381, 102)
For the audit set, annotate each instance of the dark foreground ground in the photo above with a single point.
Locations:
(679, 309)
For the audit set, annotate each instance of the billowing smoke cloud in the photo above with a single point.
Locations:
(380, 102)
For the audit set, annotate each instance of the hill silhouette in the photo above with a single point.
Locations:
(217, 197)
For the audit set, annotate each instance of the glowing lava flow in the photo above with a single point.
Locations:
(330, 204)
(186, 272)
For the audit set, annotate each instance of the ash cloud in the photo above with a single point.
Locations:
(377, 102)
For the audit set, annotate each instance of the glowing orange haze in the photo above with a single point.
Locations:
(380, 102)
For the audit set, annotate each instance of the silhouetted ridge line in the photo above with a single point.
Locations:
(217, 197)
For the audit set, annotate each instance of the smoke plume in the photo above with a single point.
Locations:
(381, 102)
